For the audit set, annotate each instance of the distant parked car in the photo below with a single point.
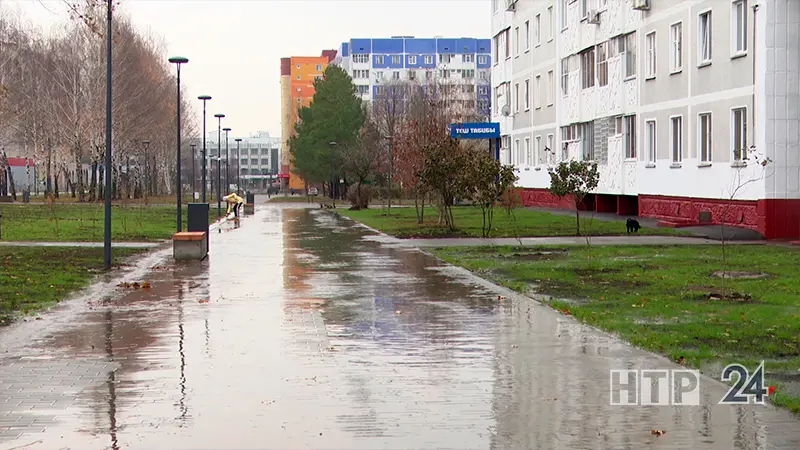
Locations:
(313, 191)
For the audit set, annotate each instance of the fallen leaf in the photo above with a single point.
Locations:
(657, 432)
(205, 300)
(146, 285)
(398, 312)
(38, 318)
(136, 285)
(771, 390)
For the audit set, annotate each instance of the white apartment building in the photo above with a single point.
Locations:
(677, 101)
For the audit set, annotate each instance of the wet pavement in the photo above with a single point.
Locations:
(303, 330)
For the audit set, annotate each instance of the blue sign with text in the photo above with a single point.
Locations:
(480, 130)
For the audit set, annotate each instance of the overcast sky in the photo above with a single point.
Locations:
(234, 47)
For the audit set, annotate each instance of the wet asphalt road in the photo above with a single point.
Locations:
(319, 334)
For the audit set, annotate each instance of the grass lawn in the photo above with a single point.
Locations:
(402, 223)
(85, 222)
(158, 200)
(658, 298)
(38, 277)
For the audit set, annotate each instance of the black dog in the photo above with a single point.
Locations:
(632, 225)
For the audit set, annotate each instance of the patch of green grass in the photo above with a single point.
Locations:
(666, 300)
(402, 223)
(85, 222)
(38, 277)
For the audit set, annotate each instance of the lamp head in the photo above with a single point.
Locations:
(226, 129)
(238, 139)
(204, 97)
(219, 116)
(178, 60)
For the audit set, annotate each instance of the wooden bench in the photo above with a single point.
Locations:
(249, 208)
(190, 245)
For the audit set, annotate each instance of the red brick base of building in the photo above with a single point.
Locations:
(773, 218)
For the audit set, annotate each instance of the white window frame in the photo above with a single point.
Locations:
(675, 47)
(588, 67)
(412, 59)
(551, 154)
(527, 94)
(551, 22)
(705, 33)
(537, 91)
(650, 45)
(428, 59)
(564, 18)
(629, 133)
(516, 42)
(527, 35)
(565, 66)
(397, 59)
(537, 29)
(738, 28)
(651, 140)
(630, 55)
(516, 97)
(704, 154)
(743, 131)
(551, 87)
(528, 157)
(537, 151)
(515, 155)
(601, 59)
(379, 59)
(676, 158)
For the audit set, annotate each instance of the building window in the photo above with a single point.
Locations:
(564, 6)
(527, 95)
(428, 59)
(551, 87)
(537, 29)
(445, 58)
(378, 75)
(739, 133)
(537, 93)
(587, 141)
(516, 41)
(676, 139)
(587, 68)
(602, 64)
(527, 35)
(584, 8)
(482, 59)
(516, 98)
(379, 59)
(361, 58)
(483, 75)
(515, 157)
(412, 60)
(468, 73)
(675, 52)
(363, 89)
(650, 41)
(551, 22)
(395, 59)
(468, 58)
(628, 46)
(244, 161)
(739, 27)
(565, 76)
(630, 137)
(528, 157)
(549, 149)
(704, 38)
(412, 75)
(650, 136)
(396, 75)
(704, 136)
(444, 73)
(319, 67)
(571, 133)
(507, 37)
(537, 151)
(428, 74)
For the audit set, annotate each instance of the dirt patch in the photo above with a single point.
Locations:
(537, 256)
(590, 272)
(740, 275)
(731, 297)
(624, 284)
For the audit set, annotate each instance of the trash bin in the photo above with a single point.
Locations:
(197, 219)
(250, 198)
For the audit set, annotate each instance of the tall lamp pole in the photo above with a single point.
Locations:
(178, 60)
(204, 98)
(227, 161)
(333, 175)
(238, 166)
(107, 228)
(194, 163)
(219, 152)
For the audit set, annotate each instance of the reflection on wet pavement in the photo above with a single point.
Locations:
(304, 330)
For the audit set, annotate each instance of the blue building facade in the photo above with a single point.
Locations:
(372, 63)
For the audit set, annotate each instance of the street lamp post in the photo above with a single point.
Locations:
(333, 175)
(204, 98)
(107, 228)
(194, 163)
(238, 166)
(391, 169)
(227, 161)
(178, 60)
(219, 152)
(146, 187)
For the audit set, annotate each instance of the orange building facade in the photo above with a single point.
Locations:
(298, 74)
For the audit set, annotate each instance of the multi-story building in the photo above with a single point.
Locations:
(260, 159)
(374, 63)
(677, 101)
(298, 74)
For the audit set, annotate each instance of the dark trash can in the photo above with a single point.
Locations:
(197, 219)
(250, 198)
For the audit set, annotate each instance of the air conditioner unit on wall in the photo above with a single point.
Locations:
(641, 4)
(592, 16)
